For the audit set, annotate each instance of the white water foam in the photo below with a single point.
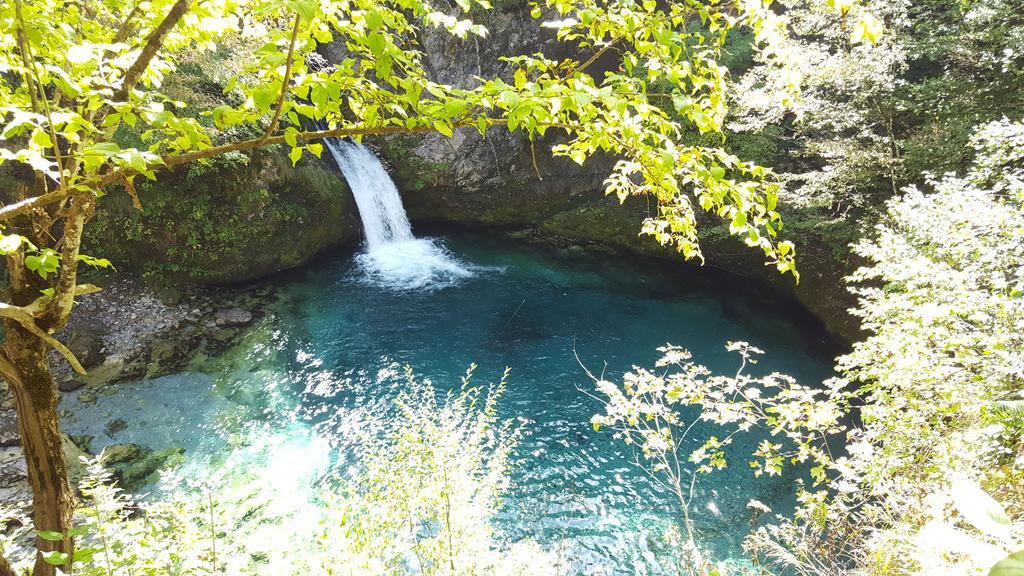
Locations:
(418, 264)
(393, 258)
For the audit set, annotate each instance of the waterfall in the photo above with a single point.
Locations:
(393, 258)
(380, 206)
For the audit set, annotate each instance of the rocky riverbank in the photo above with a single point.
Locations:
(128, 332)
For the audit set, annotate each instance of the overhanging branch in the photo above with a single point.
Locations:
(284, 80)
(30, 204)
(27, 315)
(153, 43)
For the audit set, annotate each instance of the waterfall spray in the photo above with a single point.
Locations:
(393, 257)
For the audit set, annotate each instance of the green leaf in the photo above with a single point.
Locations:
(1012, 565)
(56, 558)
(265, 96)
(316, 149)
(307, 9)
(95, 262)
(86, 554)
(44, 263)
(373, 19)
(443, 127)
(50, 535)
(9, 243)
(41, 139)
(294, 155)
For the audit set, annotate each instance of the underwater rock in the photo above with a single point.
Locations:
(83, 441)
(233, 318)
(70, 385)
(165, 355)
(114, 426)
(120, 453)
(134, 466)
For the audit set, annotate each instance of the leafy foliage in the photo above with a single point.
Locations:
(657, 412)
(875, 117)
(935, 450)
(422, 503)
(380, 87)
(942, 298)
(434, 516)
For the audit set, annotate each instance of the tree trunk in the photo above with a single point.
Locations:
(25, 367)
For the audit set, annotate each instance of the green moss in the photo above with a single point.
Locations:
(411, 171)
(231, 220)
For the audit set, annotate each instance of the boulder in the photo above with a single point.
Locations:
(70, 385)
(233, 318)
(146, 469)
(134, 466)
(87, 346)
(120, 454)
(114, 426)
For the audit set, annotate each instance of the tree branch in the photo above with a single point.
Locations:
(284, 81)
(29, 204)
(126, 27)
(593, 58)
(26, 316)
(153, 43)
(64, 292)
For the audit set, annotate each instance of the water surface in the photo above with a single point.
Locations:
(296, 392)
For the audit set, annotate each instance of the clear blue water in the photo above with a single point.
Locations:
(335, 347)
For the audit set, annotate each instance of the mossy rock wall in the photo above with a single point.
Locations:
(241, 218)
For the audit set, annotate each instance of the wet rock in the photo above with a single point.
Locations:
(9, 429)
(134, 466)
(120, 454)
(87, 346)
(70, 385)
(168, 354)
(83, 441)
(233, 318)
(87, 396)
(575, 251)
(114, 426)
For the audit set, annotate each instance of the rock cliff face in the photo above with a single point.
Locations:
(242, 218)
(249, 216)
(501, 180)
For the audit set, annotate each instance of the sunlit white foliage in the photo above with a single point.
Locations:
(421, 501)
(939, 449)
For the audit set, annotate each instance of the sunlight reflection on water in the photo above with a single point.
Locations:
(324, 370)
